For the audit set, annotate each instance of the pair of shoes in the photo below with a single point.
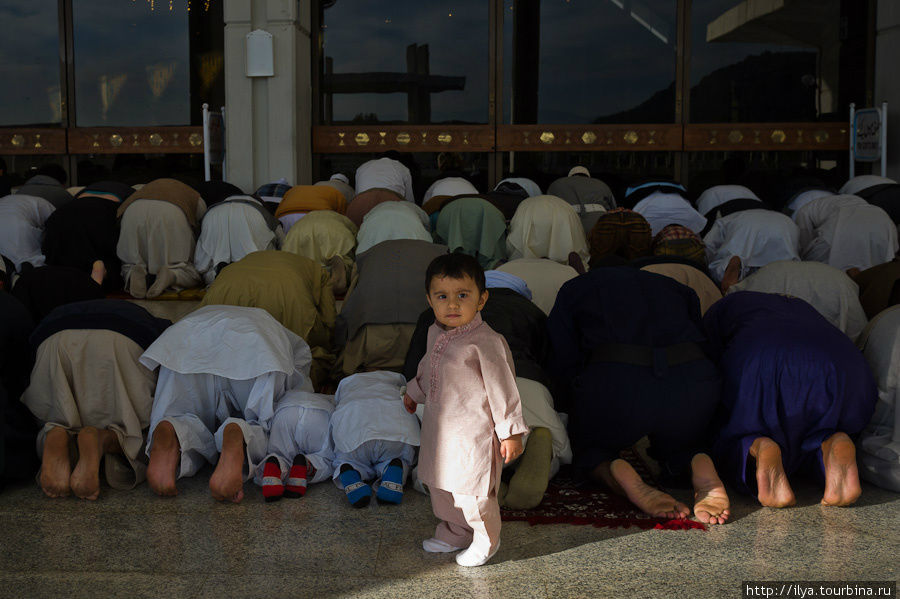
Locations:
(471, 558)
(358, 493)
(272, 487)
(434, 545)
(391, 488)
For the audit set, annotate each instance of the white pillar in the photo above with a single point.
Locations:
(268, 134)
(887, 84)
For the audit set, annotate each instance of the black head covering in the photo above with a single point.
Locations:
(214, 192)
(120, 316)
(45, 288)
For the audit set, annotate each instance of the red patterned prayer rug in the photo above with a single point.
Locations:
(568, 501)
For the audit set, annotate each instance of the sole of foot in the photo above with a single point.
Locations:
(711, 504)
(56, 469)
(227, 481)
(649, 500)
(842, 486)
(85, 479)
(164, 456)
(773, 488)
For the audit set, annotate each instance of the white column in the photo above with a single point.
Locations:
(268, 133)
(887, 84)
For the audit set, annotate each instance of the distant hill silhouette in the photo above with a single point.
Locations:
(764, 88)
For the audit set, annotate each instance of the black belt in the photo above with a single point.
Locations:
(659, 358)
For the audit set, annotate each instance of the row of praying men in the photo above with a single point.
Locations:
(740, 246)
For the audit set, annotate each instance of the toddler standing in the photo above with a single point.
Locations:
(473, 415)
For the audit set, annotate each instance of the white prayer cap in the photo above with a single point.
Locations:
(579, 170)
(340, 177)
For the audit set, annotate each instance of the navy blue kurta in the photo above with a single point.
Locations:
(613, 404)
(788, 375)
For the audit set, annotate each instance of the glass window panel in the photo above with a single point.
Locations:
(763, 172)
(21, 167)
(29, 63)
(405, 61)
(596, 61)
(139, 168)
(779, 66)
(132, 63)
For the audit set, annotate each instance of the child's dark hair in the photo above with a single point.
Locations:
(455, 266)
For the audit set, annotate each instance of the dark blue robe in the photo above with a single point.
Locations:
(788, 375)
(612, 404)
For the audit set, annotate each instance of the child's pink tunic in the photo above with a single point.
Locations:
(467, 383)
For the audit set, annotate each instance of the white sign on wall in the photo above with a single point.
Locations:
(868, 136)
(260, 54)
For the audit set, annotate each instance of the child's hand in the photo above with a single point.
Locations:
(511, 448)
(409, 404)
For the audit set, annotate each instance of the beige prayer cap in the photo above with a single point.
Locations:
(579, 170)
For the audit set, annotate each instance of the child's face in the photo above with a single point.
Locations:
(455, 301)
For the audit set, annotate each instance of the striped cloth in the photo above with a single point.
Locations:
(620, 232)
(273, 192)
(677, 240)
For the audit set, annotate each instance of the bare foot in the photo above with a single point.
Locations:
(55, 465)
(92, 444)
(98, 271)
(164, 456)
(841, 475)
(711, 504)
(649, 500)
(732, 274)
(602, 474)
(773, 487)
(226, 482)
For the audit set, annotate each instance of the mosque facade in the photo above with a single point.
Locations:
(677, 88)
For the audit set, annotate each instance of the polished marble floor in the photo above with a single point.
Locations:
(133, 544)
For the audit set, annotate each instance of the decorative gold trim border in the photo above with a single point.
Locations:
(766, 136)
(413, 138)
(576, 138)
(15, 140)
(136, 140)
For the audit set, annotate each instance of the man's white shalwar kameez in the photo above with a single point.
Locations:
(662, 209)
(449, 186)
(230, 231)
(385, 173)
(22, 219)
(221, 365)
(846, 231)
(879, 445)
(758, 237)
(717, 195)
(370, 427)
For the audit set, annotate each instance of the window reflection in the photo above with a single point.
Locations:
(132, 63)
(764, 68)
(589, 61)
(404, 61)
(29, 63)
